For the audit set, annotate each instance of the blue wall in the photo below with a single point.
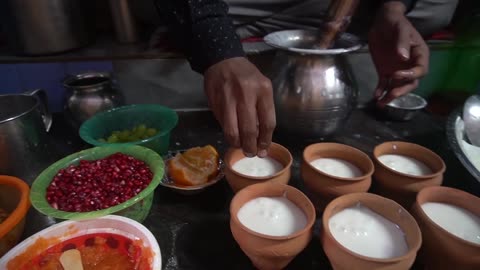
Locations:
(17, 78)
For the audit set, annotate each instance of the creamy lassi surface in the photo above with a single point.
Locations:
(367, 233)
(404, 164)
(337, 167)
(274, 216)
(258, 167)
(456, 220)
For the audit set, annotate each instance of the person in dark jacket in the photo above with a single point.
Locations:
(240, 96)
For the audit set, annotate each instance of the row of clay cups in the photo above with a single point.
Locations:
(439, 248)
(400, 187)
(428, 243)
(323, 187)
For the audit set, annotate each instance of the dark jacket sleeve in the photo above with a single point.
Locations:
(202, 29)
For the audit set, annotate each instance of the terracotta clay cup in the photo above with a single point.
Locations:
(271, 252)
(237, 180)
(14, 199)
(441, 249)
(342, 258)
(323, 187)
(401, 187)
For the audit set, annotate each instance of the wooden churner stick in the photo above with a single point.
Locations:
(338, 18)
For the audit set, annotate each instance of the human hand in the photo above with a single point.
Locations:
(241, 99)
(399, 52)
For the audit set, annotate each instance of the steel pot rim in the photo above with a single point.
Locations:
(291, 41)
(67, 82)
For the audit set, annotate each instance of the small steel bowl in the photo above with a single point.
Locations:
(189, 190)
(405, 107)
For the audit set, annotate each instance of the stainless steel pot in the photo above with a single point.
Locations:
(314, 90)
(38, 27)
(24, 122)
(89, 93)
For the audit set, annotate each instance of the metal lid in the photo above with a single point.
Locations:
(303, 42)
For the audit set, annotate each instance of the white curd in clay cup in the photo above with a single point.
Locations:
(449, 221)
(369, 213)
(330, 170)
(402, 169)
(241, 171)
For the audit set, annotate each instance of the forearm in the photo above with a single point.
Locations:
(401, 5)
(203, 30)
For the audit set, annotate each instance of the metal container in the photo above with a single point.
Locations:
(40, 27)
(89, 93)
(24, 122)
(464, 152)
(123, 21)
(314, 90)
(404, 108)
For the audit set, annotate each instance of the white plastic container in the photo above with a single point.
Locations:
(107, 224)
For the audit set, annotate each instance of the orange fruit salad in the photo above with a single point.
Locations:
(196, 166)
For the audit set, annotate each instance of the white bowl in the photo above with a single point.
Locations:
(71, 229)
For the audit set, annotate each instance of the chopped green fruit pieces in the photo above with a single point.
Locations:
(139, 132)
(151, 132)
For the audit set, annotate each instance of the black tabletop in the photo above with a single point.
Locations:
(193, 230)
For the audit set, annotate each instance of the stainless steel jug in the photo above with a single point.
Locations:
(89, 93)
(24, 123)
(314, 90)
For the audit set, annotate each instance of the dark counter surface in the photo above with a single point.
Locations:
(193, 231)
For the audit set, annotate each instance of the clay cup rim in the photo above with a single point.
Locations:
(268, 189)
(456, 197)
(357, 198)
(312, 149)
(273, 146)
(393, 146)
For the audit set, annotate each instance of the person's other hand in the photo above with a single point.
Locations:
(399, 52)
(241, 99)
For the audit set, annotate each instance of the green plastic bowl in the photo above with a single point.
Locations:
(136, 208)
(159, 117)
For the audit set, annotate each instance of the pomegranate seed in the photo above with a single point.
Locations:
(98, 184)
